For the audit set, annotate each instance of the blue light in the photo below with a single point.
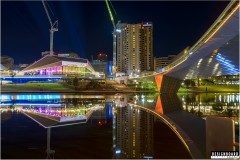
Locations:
(148, 157)
(231, 69)
(5, 97)
(38, 97)
(118, 151)
(160, 70)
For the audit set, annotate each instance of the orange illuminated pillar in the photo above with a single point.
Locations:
(159, 79)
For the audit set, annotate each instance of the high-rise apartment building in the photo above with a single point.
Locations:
(160, 62)
(134, 47)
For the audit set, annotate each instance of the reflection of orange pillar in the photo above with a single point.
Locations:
(159, 107)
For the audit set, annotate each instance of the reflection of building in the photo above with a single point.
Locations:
(60, 66)
(134, 133)
(161, 62)
(134, 47)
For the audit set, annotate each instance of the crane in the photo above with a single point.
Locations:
(54, 27)
(114, 35)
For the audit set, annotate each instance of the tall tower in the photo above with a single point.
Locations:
(134, 47)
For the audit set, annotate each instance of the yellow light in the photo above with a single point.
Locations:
(222, 23)
(185, 51)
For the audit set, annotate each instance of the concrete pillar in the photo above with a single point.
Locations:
(166, 84)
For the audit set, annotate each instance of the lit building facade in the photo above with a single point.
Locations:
(104, 67)
(134, 47)
(60, 66)
(160, 62)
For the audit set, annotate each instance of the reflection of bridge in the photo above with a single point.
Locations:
(215, 54)
(191, 129)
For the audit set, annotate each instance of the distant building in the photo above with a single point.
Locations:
(60, 66)
(70, 54)
(99, 66)
(161, 62)
(23, 65)
(45, 53)
(102, 67)
(102, 57)
(134, 47)
(7, 62)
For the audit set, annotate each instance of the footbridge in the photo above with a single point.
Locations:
(216, 53)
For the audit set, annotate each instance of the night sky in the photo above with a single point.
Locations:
(85, 27)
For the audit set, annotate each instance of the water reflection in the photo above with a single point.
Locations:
(135, 132)
(224, 105)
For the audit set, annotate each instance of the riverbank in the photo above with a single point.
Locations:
(60, 88)
(35, 87)
(211, 89)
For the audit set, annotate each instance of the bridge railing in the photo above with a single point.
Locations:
(222, 19)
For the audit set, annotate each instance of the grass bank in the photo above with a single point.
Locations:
(34, 87)
(211, 88)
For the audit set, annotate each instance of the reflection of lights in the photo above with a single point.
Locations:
(136, 97)
(150, 100)
(118, 151)
(5, 97)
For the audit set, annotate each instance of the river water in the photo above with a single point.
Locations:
(71, 126)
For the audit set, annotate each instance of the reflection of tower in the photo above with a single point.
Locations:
(114, 130)
(50, 153)
(109, 110)
(134, 133)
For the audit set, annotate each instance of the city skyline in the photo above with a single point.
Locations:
(25, 27)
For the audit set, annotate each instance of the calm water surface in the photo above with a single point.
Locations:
(102, 126)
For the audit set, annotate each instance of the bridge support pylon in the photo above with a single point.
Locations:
(166, 84)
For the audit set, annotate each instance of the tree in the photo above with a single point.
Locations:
(192, 83)
(75, 82)
(187, 82)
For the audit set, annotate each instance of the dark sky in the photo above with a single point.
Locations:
(85, 26)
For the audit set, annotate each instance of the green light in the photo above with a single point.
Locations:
(110, 13)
